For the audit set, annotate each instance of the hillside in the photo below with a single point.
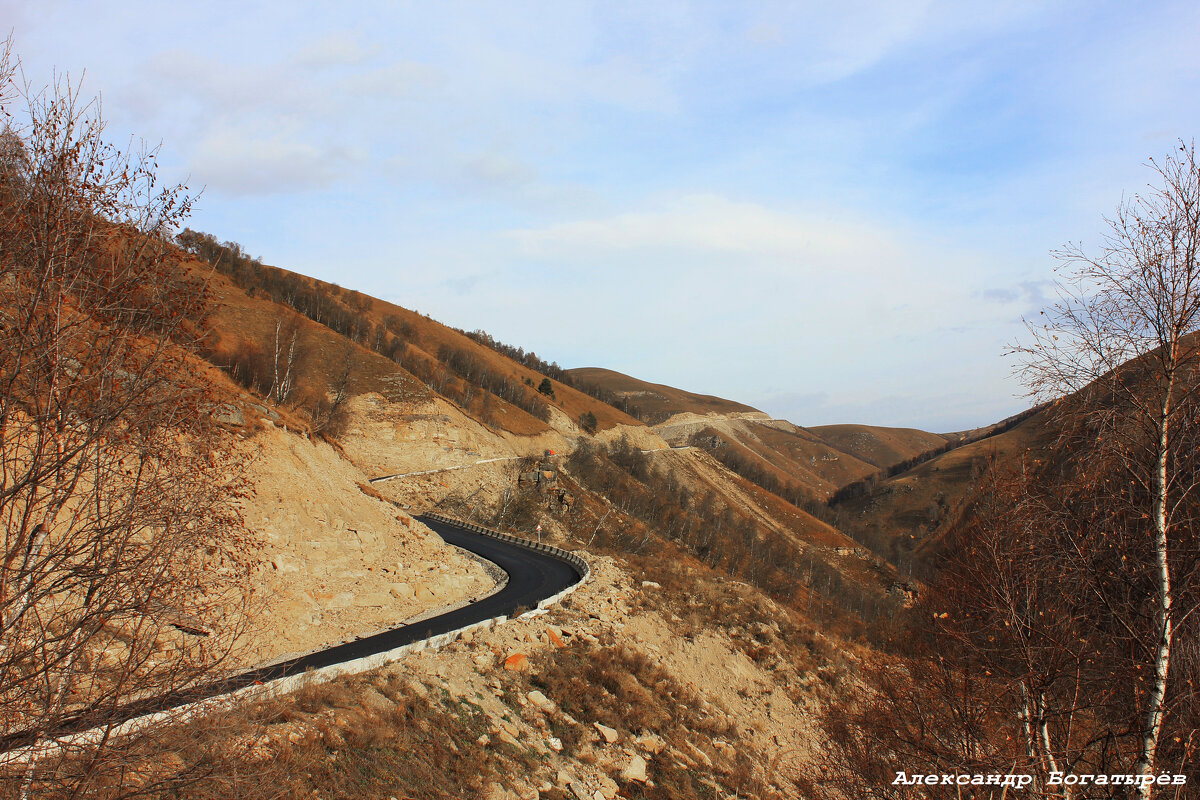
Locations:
(907, 516)
(880, 447)
(655, 402)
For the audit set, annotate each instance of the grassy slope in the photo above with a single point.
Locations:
(241, 318)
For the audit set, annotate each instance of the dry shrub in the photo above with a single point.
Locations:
(323, 741)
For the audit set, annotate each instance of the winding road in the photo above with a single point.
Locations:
(533, 576)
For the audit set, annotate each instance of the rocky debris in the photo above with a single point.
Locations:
(610, 734)
(636, 770)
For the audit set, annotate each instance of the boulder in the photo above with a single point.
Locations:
(401, 591)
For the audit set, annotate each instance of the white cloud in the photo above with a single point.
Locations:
(337, 49)
(240, 162)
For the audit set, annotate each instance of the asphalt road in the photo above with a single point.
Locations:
(532, 577)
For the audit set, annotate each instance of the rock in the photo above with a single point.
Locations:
(651, 585)
(401, 591)
(554, 638)
(230, 415)
(608, 787)
(495, 791)
(484, 740)
(509, 728)
(376, 701)
(555, 744)
(635, 770)
(541, 701)
(505, 737)
(699, 755)
(562, 778)
(517, 662)
(650, 743)
(610, 734)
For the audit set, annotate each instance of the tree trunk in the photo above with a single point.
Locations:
(1162, 654)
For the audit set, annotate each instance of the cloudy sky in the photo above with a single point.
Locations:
(836, 212)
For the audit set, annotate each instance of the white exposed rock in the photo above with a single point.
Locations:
(555, 744)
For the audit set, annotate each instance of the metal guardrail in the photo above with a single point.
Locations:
(575, 561)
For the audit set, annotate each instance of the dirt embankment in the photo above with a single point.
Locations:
(339, 563)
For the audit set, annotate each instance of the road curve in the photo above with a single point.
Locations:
(532, 577)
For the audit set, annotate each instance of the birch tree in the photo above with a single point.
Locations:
(1119, 354)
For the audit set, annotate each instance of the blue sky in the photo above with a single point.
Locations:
(833, 212)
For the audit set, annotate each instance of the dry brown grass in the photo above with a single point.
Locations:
(363, 737)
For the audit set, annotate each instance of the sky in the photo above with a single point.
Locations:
(834, 212)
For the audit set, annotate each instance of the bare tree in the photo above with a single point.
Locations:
(1119, 346)
(123, 560)
(283, 361)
